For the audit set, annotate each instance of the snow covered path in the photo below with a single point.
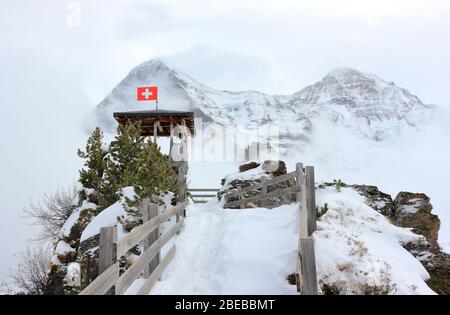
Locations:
(225, 251)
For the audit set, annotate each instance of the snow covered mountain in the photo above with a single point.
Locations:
(361, 102)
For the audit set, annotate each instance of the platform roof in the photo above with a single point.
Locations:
(164, 117)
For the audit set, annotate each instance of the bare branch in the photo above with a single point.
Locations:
(31, 271)
(53, 213)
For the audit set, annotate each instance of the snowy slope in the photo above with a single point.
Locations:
(362, 102)
(357, 249)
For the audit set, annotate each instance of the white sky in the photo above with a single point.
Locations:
(53, 73)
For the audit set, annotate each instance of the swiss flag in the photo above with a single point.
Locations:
(147, 93)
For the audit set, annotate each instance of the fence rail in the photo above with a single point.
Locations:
(202, 195)
(302, 184)
(149, 264)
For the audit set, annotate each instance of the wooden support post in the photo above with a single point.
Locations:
(171, 142)
(149, 211)
(308, 270)
(311, 199)
(181, 188)
(107, 250)
(155, 132)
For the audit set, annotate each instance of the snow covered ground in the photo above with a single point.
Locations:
(252, 251)
(233, 252)
(359, 250)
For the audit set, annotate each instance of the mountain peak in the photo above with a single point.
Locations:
(347, 72)
(150, 66)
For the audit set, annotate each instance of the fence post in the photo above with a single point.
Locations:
(303, 205)
(107, 250)
(311, 199)
(298, 178)
(149, 211)
(306, 276)
(308, 267)
(298, 197)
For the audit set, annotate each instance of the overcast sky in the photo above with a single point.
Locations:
(56, 64)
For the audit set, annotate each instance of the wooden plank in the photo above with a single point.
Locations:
(234, 192)
(298, 272)
(140, 232)
(298, 197)
(150, 281)
(281, 178)
(107, 249)
(150, 211)
(272, 194)
(303, 209)
(311, 199)
(181, 187)
(108, 237)
(200, 201)
(104, 281)
(298, 178)
(171, 142)
(135, 270)
(270, 182)
(153, 237)
(203, 196)
(309, 276)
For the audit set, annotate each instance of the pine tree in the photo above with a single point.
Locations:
(154, 177)
(95, 165)
(122, 161)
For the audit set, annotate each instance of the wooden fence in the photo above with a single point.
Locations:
(149, 264)
(301, 183)
(260, 193)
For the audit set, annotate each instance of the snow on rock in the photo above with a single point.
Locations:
(73, 218)
(358, 251)
(108, 217)
(249, 175)
(73, 276)
(63, 248)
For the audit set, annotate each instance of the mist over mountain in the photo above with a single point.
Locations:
(361, 102)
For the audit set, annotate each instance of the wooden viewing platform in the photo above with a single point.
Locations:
(161, 119)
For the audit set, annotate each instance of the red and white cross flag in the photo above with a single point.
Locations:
(147, 93)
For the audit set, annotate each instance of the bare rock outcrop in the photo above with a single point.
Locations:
(413, 210)
(269, 169)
